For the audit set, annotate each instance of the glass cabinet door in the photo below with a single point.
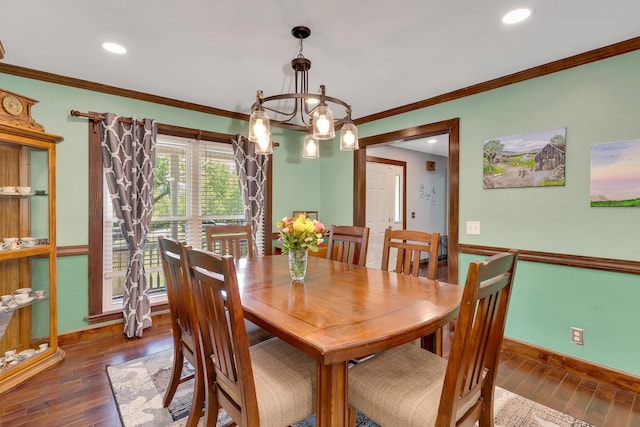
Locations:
(28, 338)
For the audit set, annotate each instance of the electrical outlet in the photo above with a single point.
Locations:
(473, 227)
(577, 336)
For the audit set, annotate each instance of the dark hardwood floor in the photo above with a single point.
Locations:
(77, 392)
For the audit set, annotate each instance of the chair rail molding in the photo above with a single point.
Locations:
(578, 261)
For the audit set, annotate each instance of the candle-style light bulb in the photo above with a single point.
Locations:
(310, 148)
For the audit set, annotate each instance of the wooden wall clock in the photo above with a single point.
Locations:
(15, 110)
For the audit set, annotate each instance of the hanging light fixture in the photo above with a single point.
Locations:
(309, 112)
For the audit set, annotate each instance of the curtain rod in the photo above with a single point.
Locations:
(96, 117)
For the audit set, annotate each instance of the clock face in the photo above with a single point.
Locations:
(12, 105)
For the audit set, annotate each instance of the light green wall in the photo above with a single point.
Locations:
(597, 102)
(336, 183)
(549, 299)
(296, 181)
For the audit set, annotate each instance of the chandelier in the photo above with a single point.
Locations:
(308, 112)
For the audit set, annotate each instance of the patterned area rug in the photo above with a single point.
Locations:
(138, 388)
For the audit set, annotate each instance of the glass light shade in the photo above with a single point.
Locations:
(323, 123)
(259, 127)
(349, 136)
(264, 145)
(310, 149)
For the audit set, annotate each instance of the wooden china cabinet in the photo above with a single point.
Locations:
(28, 325)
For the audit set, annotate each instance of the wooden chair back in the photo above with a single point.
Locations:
(183, 324)
(410, 245)
(224, 339)
(230, 239)
(475, 352)
(348, 244)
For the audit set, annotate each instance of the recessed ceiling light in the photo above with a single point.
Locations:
(432, 141)
(516, 15)
(114, 48)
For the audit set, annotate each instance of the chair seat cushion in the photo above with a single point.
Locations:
(255, 333)
(399, 387)
(285, 380)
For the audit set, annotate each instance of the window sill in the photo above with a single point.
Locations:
(117, 314)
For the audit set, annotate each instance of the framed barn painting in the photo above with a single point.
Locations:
(534, 159)
(615, 174)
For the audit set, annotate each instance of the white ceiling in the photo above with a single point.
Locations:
(437, 145)
(375, 55)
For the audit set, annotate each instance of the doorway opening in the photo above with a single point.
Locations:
(449, 127)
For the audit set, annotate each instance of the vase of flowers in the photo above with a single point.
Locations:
(298, 236)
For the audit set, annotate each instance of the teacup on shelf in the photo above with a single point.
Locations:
(23, 190)
(28, 242)
(11, 243)
(30, 352)
(22, 298)
(8, 189)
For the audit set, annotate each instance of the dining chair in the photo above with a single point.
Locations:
(268, 384)
(232, 239)
(235, 240)
(410, 245)
(348, 244)
(184, 327)
(409, 386)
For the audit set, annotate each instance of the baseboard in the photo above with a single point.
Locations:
(160, 320)
(602, 374)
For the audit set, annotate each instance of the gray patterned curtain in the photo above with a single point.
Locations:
(252, 174)
(129, 157)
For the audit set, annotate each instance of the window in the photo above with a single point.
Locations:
(397, 197)
(195, 185)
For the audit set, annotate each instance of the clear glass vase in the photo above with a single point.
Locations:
(298, 263)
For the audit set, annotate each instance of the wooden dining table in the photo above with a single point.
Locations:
(341, 312)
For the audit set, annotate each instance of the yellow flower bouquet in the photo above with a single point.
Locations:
(300, 233)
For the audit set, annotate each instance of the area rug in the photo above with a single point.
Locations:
(138, 388)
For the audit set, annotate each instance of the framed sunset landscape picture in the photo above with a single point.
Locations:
(615, 174)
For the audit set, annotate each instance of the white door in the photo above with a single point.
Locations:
(385, 187)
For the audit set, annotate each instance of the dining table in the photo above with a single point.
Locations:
(341, 312)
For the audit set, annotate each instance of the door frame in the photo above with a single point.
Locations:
(452, 127)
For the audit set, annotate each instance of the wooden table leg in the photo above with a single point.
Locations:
(332, 400)
(433, 342)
